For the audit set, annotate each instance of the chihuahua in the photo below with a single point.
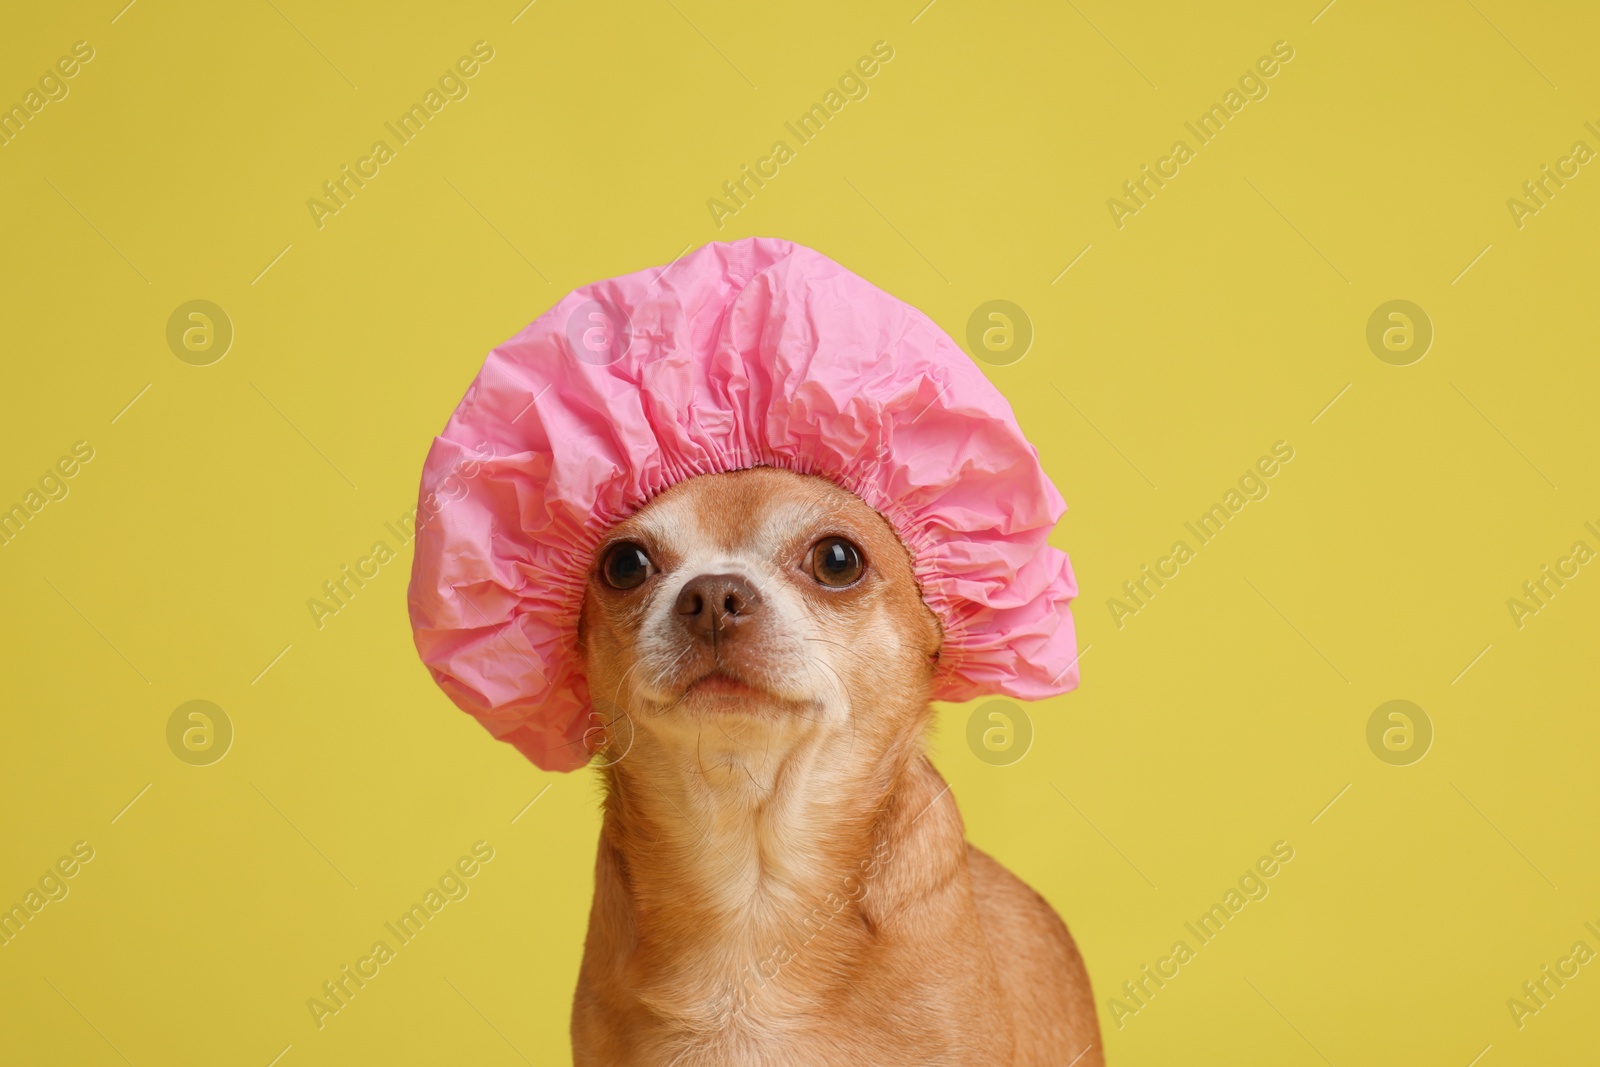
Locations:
(782, 876)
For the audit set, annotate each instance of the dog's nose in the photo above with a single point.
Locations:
(710, 605)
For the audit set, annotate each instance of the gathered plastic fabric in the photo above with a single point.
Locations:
(757, 352)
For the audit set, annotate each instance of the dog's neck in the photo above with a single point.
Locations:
(746, 863)
(759, 806)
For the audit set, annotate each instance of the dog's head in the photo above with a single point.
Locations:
(745, 610)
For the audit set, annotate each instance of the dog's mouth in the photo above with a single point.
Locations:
(719, 683)
(724, 685)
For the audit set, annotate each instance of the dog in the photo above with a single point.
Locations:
(782, 876)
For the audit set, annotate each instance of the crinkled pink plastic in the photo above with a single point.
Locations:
(758, 352)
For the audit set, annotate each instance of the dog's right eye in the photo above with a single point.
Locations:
(625, 566)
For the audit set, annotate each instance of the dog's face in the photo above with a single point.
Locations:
(755, 606)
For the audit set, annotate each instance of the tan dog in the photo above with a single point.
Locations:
(782, 876)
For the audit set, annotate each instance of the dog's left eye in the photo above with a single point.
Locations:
(625, 566)
(836, 563)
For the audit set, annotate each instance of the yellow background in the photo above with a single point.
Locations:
(1224, 317)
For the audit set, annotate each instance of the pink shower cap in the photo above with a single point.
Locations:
(758, 352)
